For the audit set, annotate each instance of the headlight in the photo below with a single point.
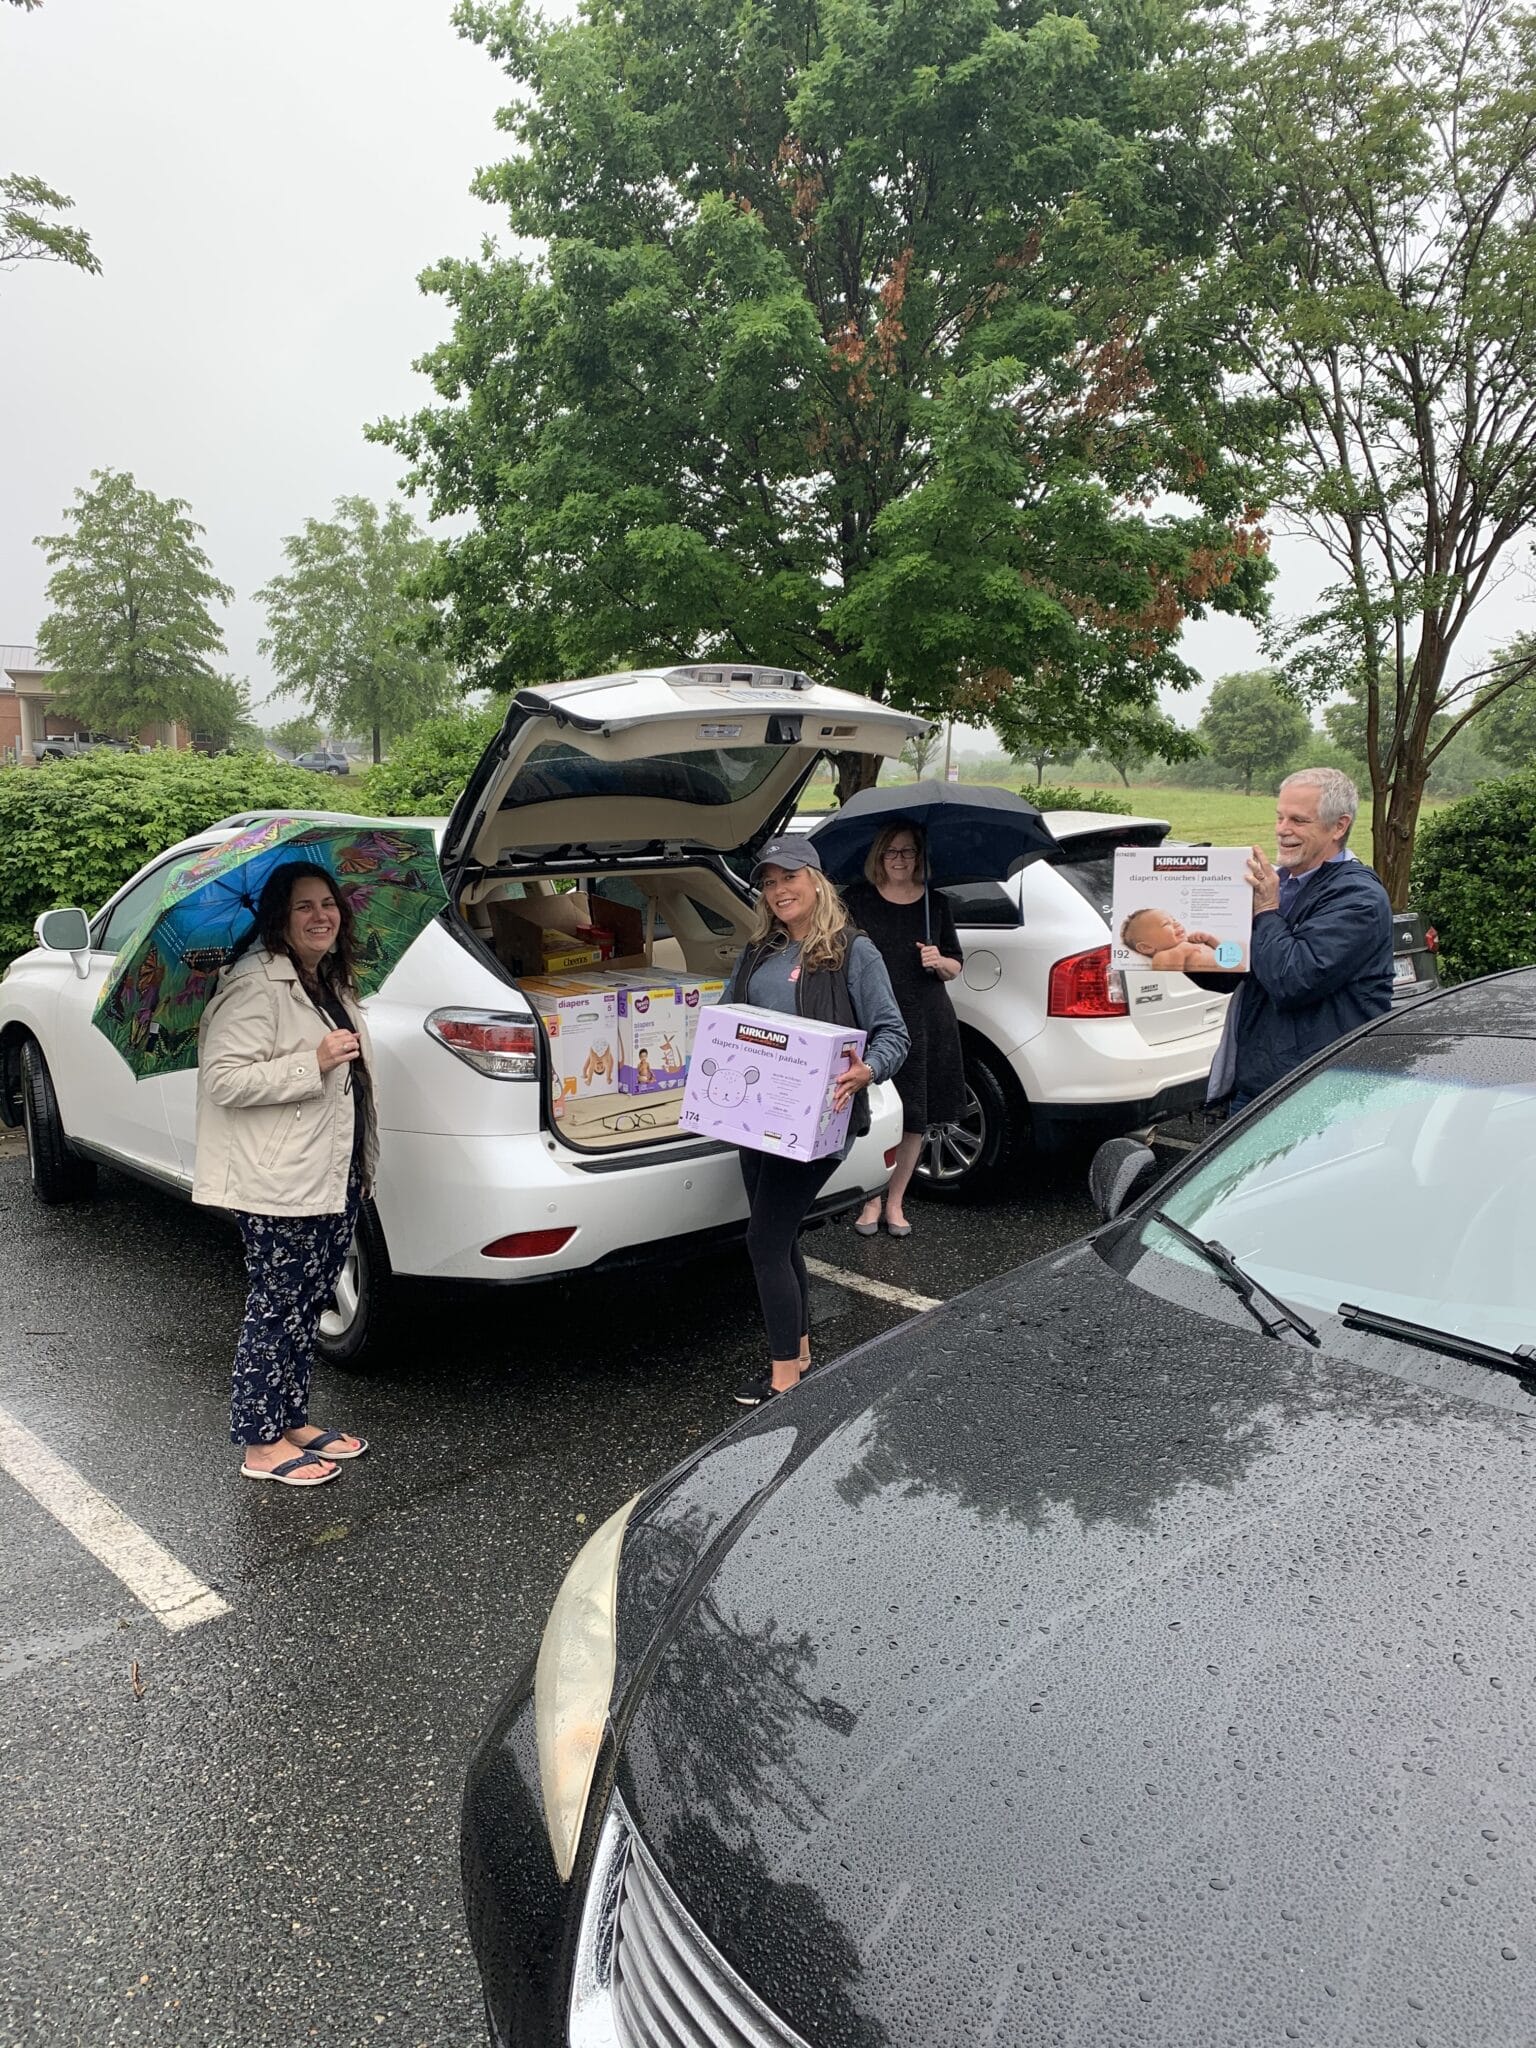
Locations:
(573, 1684)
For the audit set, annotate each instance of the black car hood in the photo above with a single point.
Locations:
(1092, 1673)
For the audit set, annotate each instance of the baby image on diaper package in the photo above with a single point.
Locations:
(766, 1081)
(1181, 908)
(581, 1022)
(653, 1037)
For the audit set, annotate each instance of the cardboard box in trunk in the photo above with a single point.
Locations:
(581, 1023)
(536, 935)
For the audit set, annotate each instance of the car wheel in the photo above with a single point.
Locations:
(962, 1159)
(59, 1174)
(353, 1320)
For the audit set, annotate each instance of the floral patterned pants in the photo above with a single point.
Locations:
(293, 1263)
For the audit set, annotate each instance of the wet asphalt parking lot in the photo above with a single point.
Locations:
(246, 1832)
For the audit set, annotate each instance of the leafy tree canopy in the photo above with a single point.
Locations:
(297, 735)
(1377, 275)
(1506, 727)
(130, 632)
(850, 343)
(425, 775)
(1252, 727)
(343, 631)
(30, 231)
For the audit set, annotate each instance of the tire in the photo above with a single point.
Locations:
(962, 1160)
(348, 1329)
(59, 1174)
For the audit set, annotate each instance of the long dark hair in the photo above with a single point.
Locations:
(338, 970)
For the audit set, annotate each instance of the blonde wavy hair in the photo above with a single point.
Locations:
(825, 944)
(874, 864)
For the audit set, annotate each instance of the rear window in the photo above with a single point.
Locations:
(721, 775)
(1087, 860)
(980, 903)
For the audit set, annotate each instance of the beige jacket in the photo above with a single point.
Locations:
(274, 1134)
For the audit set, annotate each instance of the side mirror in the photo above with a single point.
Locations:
(63, 931)
(1120, 1169)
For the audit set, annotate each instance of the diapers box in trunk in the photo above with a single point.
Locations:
(699, 992)
(581, 1022)
(653, 1044)
(766, 1081)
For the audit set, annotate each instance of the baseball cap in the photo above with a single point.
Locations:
(789, 850)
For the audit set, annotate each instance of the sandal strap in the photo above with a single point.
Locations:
(295, 1464)
(317, 1444)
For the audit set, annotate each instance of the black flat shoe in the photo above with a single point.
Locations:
(757, 1391)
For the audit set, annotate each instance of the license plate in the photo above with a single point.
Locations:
(1402, 968)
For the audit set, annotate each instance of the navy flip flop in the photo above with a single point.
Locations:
(320, 1447)
(287, 1474)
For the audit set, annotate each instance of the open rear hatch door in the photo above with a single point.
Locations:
(656, 761)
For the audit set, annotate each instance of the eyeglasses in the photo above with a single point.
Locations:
(901, 853)
(630, 1120)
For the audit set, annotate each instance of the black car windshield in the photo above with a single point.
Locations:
(1399, 1180)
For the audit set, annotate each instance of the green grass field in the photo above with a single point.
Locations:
(1219, 817)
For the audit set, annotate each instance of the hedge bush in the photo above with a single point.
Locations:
(427, 770)
(74, 831)
(1474, 878)
(1058, 796)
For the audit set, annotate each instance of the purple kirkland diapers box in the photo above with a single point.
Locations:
(765, 1081)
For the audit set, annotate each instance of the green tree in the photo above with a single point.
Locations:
(30, 231)
(219, 715)
(425, 775)
(1377, 277)
(925, 749)
(1347, 720)
(1507, 728)
(345, 631)
(130, 633)
(844, 347)
(1251, 727)
(297, 735)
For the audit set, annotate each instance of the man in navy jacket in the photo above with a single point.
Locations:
(1321, 953)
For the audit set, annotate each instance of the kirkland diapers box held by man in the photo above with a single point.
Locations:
(766, 1081)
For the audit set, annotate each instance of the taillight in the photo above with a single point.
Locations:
(506, 1048)
(1085, 985)
(890, 1157)
(528, 1244)
(1431, 939)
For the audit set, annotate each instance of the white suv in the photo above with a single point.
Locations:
(1060, 1047)
(632, 787)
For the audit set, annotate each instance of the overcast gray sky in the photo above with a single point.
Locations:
(262, 184)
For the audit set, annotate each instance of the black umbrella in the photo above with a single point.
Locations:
(973, 833)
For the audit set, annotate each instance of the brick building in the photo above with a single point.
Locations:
(27, 714)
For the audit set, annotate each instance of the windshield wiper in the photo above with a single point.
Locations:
(1250, 1292)
(1520, 1363)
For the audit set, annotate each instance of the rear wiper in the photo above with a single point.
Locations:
(1250, 1292)
(1520, 1363)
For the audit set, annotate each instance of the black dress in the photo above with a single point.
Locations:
(931, 1080)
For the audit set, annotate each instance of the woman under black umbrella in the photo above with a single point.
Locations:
(915, 935)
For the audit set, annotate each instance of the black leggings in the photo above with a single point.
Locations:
(780, 1193)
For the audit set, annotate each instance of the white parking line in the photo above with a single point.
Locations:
(152, 1575)
(878, 1290)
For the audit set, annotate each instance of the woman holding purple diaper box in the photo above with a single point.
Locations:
(805, 958)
